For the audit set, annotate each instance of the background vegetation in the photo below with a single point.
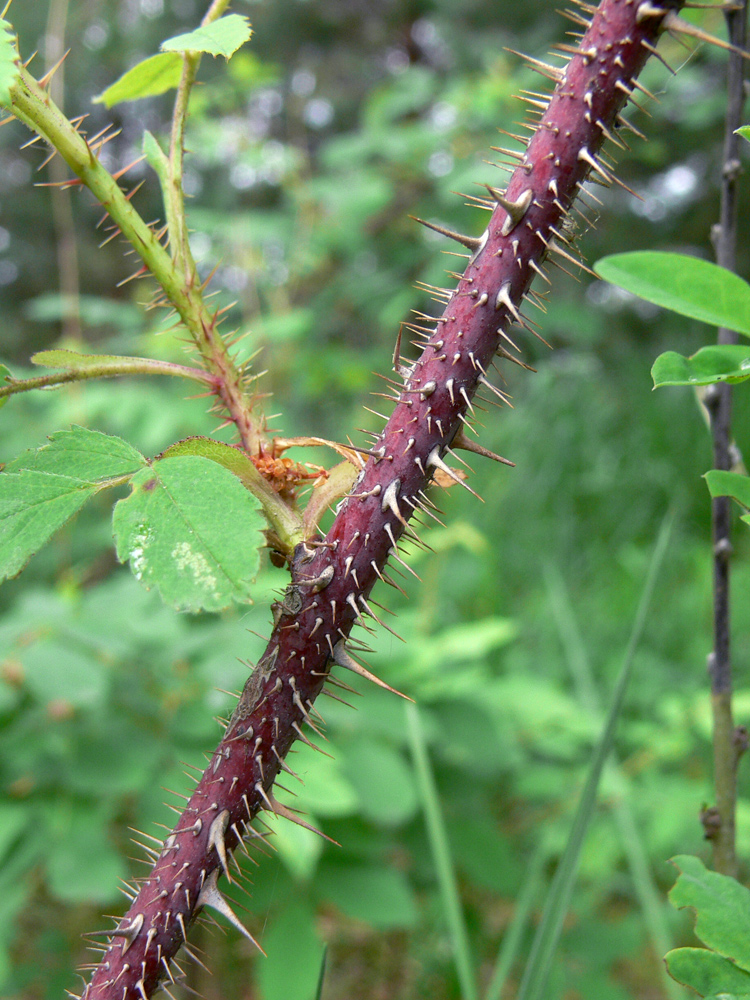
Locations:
(309, 151)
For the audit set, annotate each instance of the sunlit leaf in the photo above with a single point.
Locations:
(221, 38)
(686, 285)
(153, 76)
(719, 363)
(191, 530)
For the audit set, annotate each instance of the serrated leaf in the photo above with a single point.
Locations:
(706, 972)
(721, 363)
(8, 61)
(83, 454)
(191, 530)
(40, 490)
(722, 908)
(221, 38)
(224, 454)
(686, 285)
(149, 78)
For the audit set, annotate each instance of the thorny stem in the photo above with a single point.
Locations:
(33, 106)
(332, 577)
(719, 822)
(174, 198)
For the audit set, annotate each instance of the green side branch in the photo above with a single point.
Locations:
(31, 104)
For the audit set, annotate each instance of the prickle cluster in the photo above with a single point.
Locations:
(332, 577)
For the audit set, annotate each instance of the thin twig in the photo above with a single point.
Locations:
(719, 822)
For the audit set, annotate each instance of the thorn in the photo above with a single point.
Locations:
(434, 459)
(504, 299)
(211, 897)
(652, 49)
(551, 72)
(129, 933)
(216, 840)
(461, 441)
(674, 23)
(556, 248)
(389, 501)
(342, 657)
(483, 380)
(279, 809)
(309, 743)
(380, 621)
(44, 80)
(515, 209)
(473, 243)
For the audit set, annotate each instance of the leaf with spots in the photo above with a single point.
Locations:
(190, 529)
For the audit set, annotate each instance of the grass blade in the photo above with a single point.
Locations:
(652, 906)
(556, 906)
(441, 855)
(513, 937)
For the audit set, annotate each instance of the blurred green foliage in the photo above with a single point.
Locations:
(309, 151)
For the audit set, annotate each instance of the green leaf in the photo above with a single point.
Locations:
(8, 61)
(221, 38)
(40, 490)
(744, 131)
(54, 672)
(292, 966)
(730, 484)
(192, 531)
(326, 792)
(722, 363)
(378, 896)
(686, 285)
(83, 454)
(383, 782)
(82, 864)
(706, 972)
(153, 76)
(298, 848)
(224, 454)
(722, 908)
